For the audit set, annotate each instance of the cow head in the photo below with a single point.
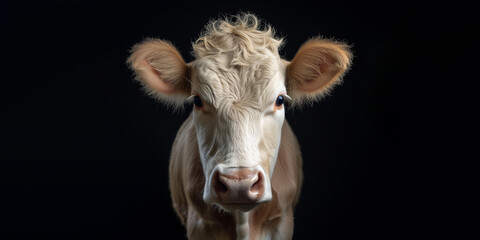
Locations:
(238, 85)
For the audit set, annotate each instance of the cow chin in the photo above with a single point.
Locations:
(237, 188)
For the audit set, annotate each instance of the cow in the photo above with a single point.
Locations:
(235, 166)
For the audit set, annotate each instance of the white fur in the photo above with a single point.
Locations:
(237, 126)
(238, 75)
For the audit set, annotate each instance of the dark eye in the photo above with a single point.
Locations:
(197, 101)
(279, 101)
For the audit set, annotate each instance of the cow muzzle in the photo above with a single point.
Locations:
(237, 188)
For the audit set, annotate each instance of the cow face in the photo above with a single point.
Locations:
(238, 114)
(238, 85)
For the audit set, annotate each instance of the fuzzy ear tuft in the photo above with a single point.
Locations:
(160, 68)
(317, 67)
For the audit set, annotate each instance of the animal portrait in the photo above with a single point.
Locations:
(235, 165)
(256, 120)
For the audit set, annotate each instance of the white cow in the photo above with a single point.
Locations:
(235, 166)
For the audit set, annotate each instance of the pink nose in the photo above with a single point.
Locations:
(238, 185)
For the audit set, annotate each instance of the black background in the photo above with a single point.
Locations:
(391, 153)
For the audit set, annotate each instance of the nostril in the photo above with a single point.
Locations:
(257, 185)
(219, 184)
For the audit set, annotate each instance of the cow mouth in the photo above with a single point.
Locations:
(240, 206)
(231, 207)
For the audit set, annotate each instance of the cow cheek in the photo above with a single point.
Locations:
(205, 138)
(269, 145)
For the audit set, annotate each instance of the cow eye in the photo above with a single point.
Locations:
(279, 101)
(197, 101)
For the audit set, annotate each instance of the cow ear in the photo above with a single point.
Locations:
(318, 66)
(160, 68)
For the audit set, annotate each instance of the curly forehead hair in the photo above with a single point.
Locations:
(241, 35)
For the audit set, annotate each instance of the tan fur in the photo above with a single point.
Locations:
(237, 74)
(160, 68)
(316, 68)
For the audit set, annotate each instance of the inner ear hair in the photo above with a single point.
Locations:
(317, 67)
(161, 70)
